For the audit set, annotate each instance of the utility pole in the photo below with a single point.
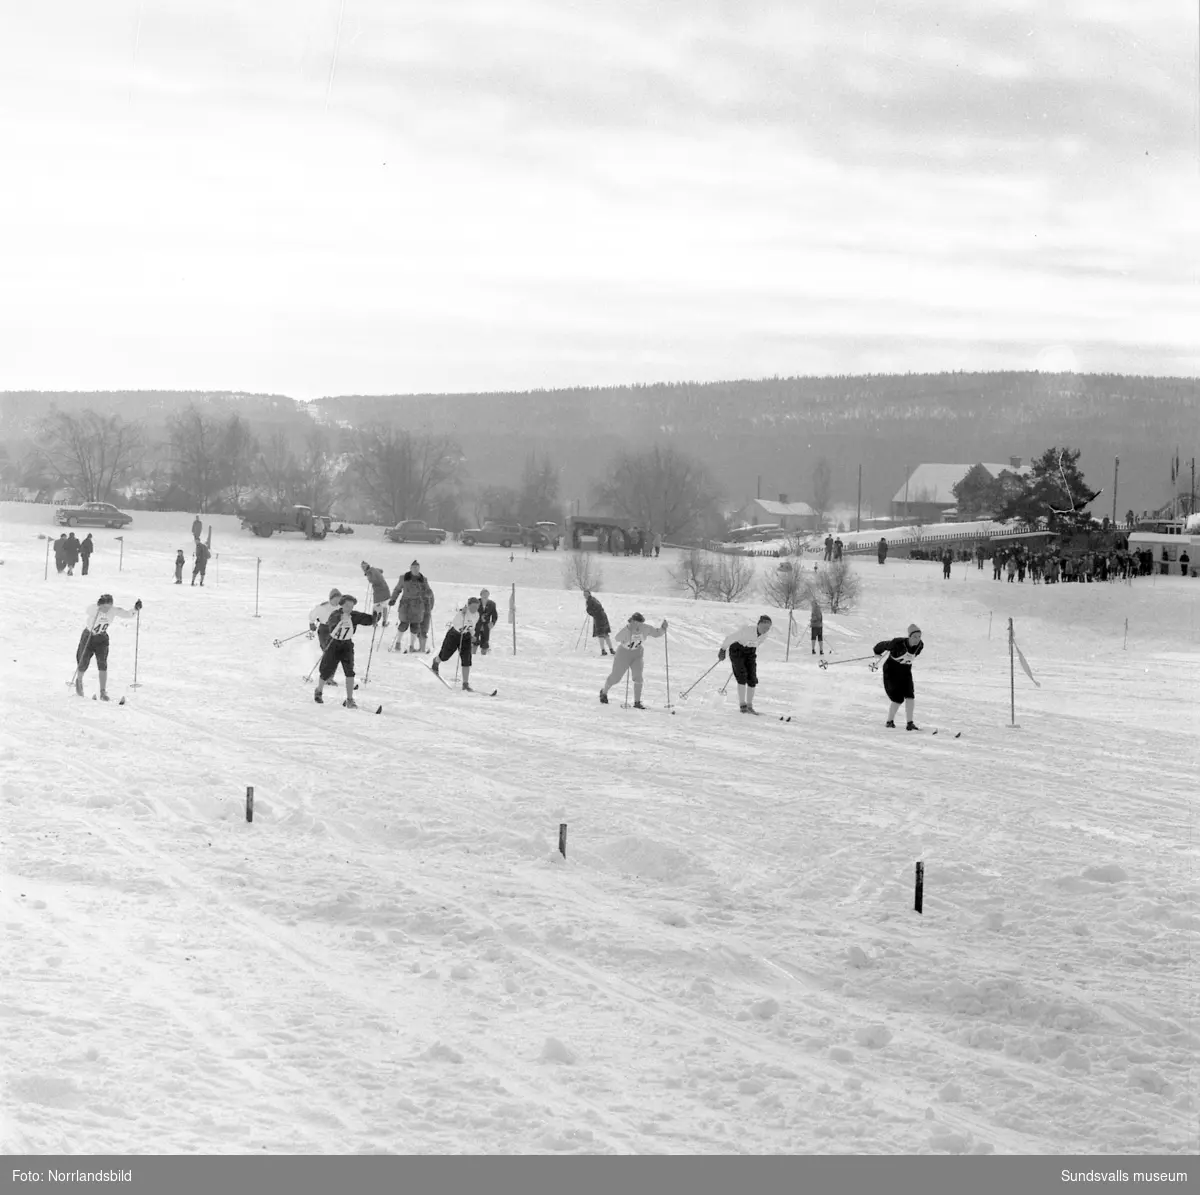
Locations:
(1116, 467)
(858, 517)
(760, 486)
(1192, 490)
(907, 474)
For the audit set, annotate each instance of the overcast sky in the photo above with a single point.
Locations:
(314, 197)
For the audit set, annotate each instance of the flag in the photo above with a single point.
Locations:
(1025, 663)
(512, 606)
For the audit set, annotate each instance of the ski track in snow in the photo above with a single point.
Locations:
(394, 957)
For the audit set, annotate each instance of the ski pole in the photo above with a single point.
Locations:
(579, 637)
(370, 653)
(683, 695)
(667, 657)
(137, 634)
(281, 642)
(79, 655)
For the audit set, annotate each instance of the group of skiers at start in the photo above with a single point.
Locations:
(335, 620)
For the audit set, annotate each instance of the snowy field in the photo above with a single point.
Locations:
(393, 956)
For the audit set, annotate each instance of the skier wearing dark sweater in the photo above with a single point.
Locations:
(630, 656)
(380, 592)
(600, 628)
(341, 626)
(899, 654)
(459, 637)
(93, 642)
(742, 646)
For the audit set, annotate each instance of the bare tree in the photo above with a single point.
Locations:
(838, 586)
(732, 577)
(239, 452)
(581, 570)
(314, 470)
(822, 491)
(788, 586)
(277, 469)
(397, 472)
(91, 453)
(196, 442)
(693, 572)
(662, 489)
(539, 491)
(496, 502)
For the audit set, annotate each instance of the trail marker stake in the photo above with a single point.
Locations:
(250, 804)
(562, 839)
(919, 894)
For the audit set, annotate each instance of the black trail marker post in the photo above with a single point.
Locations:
(562, 839)
(919, 893)
(250, 804)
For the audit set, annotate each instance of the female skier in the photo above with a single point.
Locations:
(340, 626)
(459, 637)
(742, 647)
(897, 673)
(630, 656)
(94, 640)
(600, 628)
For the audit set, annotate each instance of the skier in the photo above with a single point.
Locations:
(459, 636)
(600, 628)
(86, 548)
(71, 551)
(742, 647)
(201, 553)
(93, 642)
(179, 563)
(897, 673)
(197, 527)
(414, 609)
(630, 656)
(321, 613)
(379, 591)
(488, 617)
(340, 625)
(816, 624)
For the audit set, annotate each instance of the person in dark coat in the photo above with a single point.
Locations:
(837, 548)
(71, 551)
(600, 628)
(488, 617)
(829, 547)
(899, 654)
(414, 609)
(85, 553)
(60, 552)
(197, 527)
(947, 561)
(180, 561)
(201, 553)
(882, 550)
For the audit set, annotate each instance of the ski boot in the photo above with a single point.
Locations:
(104, 696)
(467, 688)
(434, 667)
(350, 703)
(912, 726)
(317, 697)
(890, 724)
(603, 697)
(743, 707)
(751, 710)
(637, 705)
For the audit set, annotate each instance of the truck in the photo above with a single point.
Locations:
(494, 531)
(416, 531)
(297, 518)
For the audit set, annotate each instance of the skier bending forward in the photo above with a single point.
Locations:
(742, 647)
(897, 673)
(459, 637)
(341, 626)
(94, 640)
(630, 655)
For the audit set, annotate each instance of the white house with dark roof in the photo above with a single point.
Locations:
(791, 516)
(928, 492)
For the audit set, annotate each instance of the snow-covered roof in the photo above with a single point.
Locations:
(800, 509)
(935, 483)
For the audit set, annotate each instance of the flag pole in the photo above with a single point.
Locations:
(1012, 679)
(512, 613)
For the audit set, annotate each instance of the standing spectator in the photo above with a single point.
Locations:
(630, 656)
(1010, 568)
(488, 617)
(600, 628)
(85, 553)
(742, 646)
(997, 564)
(198, 569)
(60, 552)
(1021, 568)
(379, 592)
(180, 561)
(657, 543)
(816, 627)
(415, 608)
(197, 527)
(1165, 563)
(828, 547)
(947, 560)
(71, 550)
(979, 554)
(883, 549)
(1184, 561)
(837, 548)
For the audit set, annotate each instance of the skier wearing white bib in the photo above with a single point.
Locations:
(93, 642)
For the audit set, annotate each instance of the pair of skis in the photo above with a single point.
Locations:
(481, 692)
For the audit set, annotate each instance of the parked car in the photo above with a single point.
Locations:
(494, 531)
(92, 514)
(415, 531)
(550, 531)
